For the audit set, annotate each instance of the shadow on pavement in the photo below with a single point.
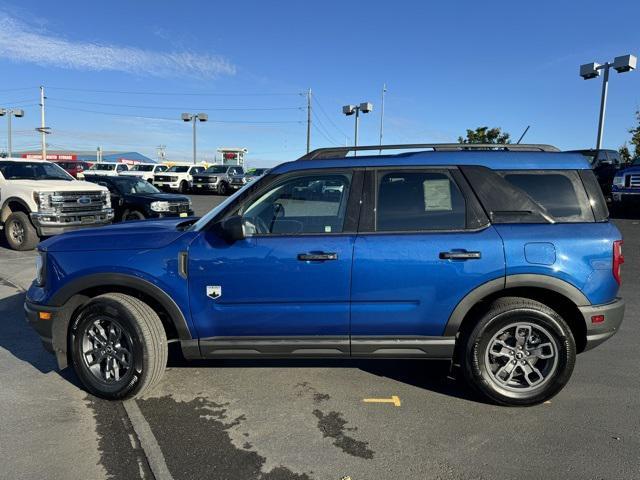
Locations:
(432, 375)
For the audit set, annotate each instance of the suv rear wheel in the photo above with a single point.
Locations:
(20, 233)
(118, 346)
(521, 352)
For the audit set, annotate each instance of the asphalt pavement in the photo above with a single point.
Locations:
(277, 420)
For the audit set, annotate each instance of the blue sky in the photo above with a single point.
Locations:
(118, 74)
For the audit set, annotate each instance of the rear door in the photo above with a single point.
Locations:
(423, 244)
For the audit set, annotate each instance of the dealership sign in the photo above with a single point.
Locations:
(36, 156)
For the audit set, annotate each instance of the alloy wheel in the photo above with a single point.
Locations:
(107, 350)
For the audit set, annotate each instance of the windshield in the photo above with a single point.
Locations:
(104, 166)
(178, 169)
(33, 171)
(131, 187)
(141, 168)
(216, 169)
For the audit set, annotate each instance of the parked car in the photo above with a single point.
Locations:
(145, 171)
(177, 177)
(221, 179)
(254, 173)
(73, 167)
(625, 189)
(104, 168)
(503, 262)
(605, 164)
(39, 199)
(136, 199)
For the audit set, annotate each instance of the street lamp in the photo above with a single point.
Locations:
(364, 107)
(192, 117)
(622, 64)
(10, 113)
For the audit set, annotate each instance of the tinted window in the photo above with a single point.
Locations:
(178, 169)
(306, 204)
(560, 193)
(216, 169)
(419, 200)
(160, 168)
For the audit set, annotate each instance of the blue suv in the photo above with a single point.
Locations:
(502, 260)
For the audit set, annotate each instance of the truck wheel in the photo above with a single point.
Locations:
(223, 189)
(521, 352)
(20, 233)
(118, 346)
(132, 215)
(184, 187)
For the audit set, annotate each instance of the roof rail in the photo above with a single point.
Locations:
(341, 152)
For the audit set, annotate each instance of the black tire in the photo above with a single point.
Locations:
(184, 187)
(482, 367)
(143, 337)
(129, 215)
(223, 189)
(20, 233)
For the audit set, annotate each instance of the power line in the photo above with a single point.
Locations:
(17, 89)
(157, 107)
(320, 127)
(203, 94)
(171, 119)
(328, 117)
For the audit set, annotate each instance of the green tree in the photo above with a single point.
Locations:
(635, 137)
(485, 135)
(625, 154)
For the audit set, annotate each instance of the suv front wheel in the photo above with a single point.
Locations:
(521, 352)
(118, 346)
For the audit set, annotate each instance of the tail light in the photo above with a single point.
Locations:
(618, 260)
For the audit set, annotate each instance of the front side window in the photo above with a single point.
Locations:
(560, 193)
(300, 205)
(104, 167)
(419, 201)
(178, 169)
(216, 169)
(160, 168)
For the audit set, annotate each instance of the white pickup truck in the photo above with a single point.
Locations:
(39, 199)
(145, 171)
(104, 169)
(177, 177)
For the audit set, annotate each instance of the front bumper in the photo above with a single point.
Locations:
(48, 224)
(625, 196)
(170, 185)
(44, 328)
(613, 314)
(206, 186)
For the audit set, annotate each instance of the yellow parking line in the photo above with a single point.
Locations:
(394, 399)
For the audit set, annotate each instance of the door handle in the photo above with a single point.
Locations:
(460, 255)
(317, 257)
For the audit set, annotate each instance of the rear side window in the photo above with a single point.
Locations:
(419, 201)
(560, 192)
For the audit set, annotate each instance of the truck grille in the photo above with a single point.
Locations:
(204, 179)
(633, 180)
(179, 207)
(164, 178)
(236, 181)
(78, 202)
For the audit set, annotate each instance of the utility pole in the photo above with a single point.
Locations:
(308, 120)
(161, 152)
(384, 91)
(43, 128)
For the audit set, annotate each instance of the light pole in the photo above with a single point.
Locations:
(10, 113)
(622, 64)
(192, 117)
(364, 107)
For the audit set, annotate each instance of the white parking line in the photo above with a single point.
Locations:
(147, 441)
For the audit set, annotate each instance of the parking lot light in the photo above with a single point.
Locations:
(18, 113)
(348, 110)
(189, 117)
(622, 64)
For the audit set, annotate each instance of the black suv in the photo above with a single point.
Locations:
(605, 164)
(135, 199)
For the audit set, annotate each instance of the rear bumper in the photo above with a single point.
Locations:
(599, 332)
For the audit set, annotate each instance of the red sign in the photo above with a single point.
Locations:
(38, 156)
(230, 155)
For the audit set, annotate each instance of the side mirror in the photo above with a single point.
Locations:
(232, 229)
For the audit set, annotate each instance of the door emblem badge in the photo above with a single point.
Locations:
(214, 291)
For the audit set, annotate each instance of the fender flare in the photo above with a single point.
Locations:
(75, 287)
(547, 282)
(17, 200)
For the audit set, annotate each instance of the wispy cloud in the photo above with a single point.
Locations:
(26, 43)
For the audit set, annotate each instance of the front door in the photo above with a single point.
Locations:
(422, 247)
(285, 288)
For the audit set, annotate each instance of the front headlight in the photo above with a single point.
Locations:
(106, 197)
(618, 180)
(43, 200)
(244, 179)
(41, 265)
(160, 206)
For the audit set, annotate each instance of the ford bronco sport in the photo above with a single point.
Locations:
(501, 259)
(39, 199)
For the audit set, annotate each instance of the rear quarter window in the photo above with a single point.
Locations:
(560, 192)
